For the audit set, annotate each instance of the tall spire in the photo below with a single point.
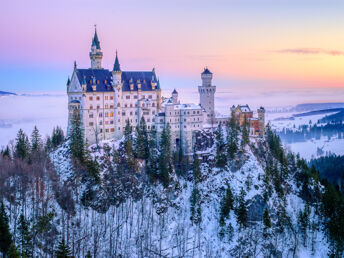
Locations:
(116, 66)
(95, 41)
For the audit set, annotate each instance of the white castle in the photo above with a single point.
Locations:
(107, 99)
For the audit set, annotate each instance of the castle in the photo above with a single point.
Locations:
(106, 100)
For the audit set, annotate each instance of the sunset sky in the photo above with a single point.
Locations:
(263, 46)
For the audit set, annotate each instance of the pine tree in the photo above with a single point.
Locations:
(241, 210)
(13, 252)
(88, 255)
(131, 163)
(5, 235)
(195, 206)
(22, 146)
(304, 221)
(232, 137)
(266, 219)
(76, 143)
(63, 250)
(196, 169)
(226, 205)
(141, 140)
(165, 157)
(25, 238)
(36, 140)
(57, 137)
(245, 134)
(6, 152)
(153, 157)
(220, 148)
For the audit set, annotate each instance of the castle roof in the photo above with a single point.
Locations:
(116, 66)
(103, 79)
(206, 71)
(174, 91)
(95, 41)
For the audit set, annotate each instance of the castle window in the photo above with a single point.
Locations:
(131, 105)
(111, 106)
(149, 96)
(135, 112)
(119, 128)
(106, 97)
(153, 112)
(123, 113)
(111, 122)
(106, 106)
(100, 122)
(148, 127)
(111, 114)
(91, 107)
(106, 130)
(118, 105)
(91, 123)
(105, 82)
(131, 113)
(101, 130)
(97, 81)
(112, 130)
(127, 97)
(153, 104)
(98, 98)
(91, 115)
(106, 114)
(135, 97)
(90, 98)
(111, 97)
(100, 114)
(136, 105)
(148, 120)
(106, 122)
(98, 107)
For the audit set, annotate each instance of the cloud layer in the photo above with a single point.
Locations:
(311, 51)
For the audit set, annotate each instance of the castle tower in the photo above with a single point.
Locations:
(261, 121)
(117, 87)
(206, 95)
(174, 97)
(96, 54)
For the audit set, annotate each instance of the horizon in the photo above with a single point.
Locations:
(269, 49)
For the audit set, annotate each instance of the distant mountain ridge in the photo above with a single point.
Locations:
(317, 106)
(7, 93)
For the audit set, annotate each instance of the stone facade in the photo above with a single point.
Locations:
(107, 99)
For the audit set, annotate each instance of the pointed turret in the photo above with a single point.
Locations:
(96, 55)
(116, 66)
(68, 81)
(95, 41)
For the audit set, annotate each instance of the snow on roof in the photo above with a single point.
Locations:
(187, 106)
(245, 108)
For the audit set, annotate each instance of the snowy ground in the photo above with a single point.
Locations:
(308, 149)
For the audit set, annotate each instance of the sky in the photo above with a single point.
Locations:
(293, 49)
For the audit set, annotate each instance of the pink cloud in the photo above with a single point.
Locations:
(311, 51)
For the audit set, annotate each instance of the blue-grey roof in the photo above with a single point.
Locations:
(206, 71)
(95, 41)
(103, 79)
(174, 91)
(75, 101)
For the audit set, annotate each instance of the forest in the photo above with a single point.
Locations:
(139, 198)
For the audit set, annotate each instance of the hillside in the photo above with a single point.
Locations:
(256, 201)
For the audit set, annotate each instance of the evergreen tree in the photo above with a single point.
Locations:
(196, 169)
(195, 206)
(25, 238)
(241, 210)
(36, 140)
(245, 133)
(13, 252)
(88, 255)
(165, 157)
(232, 137)
(6, 152)
(226, 205)
(57, 137)
(63, 250)
(5, 235)
(48, 145)
(220, 148)
(141, 141)
(266, 219)
(76, 143)
(131, 163)
(22, 146)
(153, 157)
(304, 221)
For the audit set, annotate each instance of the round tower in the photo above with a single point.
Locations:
(96, 55)
(261, 120)
(174, 97)
(207, 94)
